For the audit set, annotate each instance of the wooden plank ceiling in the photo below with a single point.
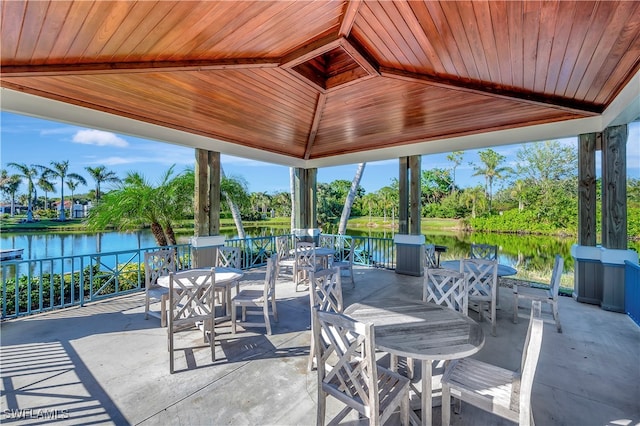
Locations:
(318, 79)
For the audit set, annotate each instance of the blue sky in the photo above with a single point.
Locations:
(34, 141)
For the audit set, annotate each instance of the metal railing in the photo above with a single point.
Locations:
(40, 285)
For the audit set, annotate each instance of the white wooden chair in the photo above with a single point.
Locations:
(430, 261)
(325, 292)
(286, 260)
(305, 263)
(249, 299)
(353, 377)
(156, 264)
(446, 288)
(327, 241)
(482, 276)
(227, 257)
(191, 305)
(549, 296)
(494, 389)
(443, 287)
(484, 251)
(345, 261)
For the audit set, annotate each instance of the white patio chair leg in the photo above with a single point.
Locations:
(556, 316)
(267, 324)
(446, 406)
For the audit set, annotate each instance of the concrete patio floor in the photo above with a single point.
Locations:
(105, 364)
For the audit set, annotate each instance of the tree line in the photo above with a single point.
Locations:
(538, 194)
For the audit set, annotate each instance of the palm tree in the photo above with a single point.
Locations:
(72, 184)
(387, 196)
(60, 169)
(29, 173)
(456, 158)
(369, 200)
(491, 169)
(137, 203)
(234, 190)
(517, 192)
(101, 174)
(9, 184)
(260, 201)
(47, 186)
(475, 198)
(351, 196)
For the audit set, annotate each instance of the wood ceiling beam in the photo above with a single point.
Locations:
(322, 100)
(350, 13)
(134, 67)
(362, 60)
(488, 89)
(311, 50)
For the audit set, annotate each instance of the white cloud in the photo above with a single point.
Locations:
(113, 161)
(99, 138)
(58, 131)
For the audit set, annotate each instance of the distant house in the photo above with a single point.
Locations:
(6, 208)
(75, 210)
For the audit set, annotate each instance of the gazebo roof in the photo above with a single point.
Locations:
(312, 84)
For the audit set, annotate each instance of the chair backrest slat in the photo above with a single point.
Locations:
(482, 276)
(326, 290)
(270, 278)
(158, 263)
(484, 251)
(351, 347)
(556, 275)
(430, 256)
(529, 363)
(283, 247)
(447, 288)
(191, 295)
(229, 257)
(305, 256)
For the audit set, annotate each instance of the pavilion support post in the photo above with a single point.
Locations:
(614, 187)
(403, 195)
(305, 184)
(614, 218)
(587, 266)
(207, 208)
(587, 188)
(415, 214)
(409, 240)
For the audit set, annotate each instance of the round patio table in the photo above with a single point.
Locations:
(503, 270)
(420, 330)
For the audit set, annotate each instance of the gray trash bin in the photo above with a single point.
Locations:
(204, 250)
(613, 277)
(409, 254)
(587, 287)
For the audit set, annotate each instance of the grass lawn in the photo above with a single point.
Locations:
(431, 224)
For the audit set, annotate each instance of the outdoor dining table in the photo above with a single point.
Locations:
(224, 278)
(323, 253)
(503, 270)
(422, 331)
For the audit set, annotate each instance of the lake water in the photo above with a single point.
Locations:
(531, 255)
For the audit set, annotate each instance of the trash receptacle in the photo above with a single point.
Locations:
(409, 254)
(613, 277)
(587, 287)
(204, 250)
